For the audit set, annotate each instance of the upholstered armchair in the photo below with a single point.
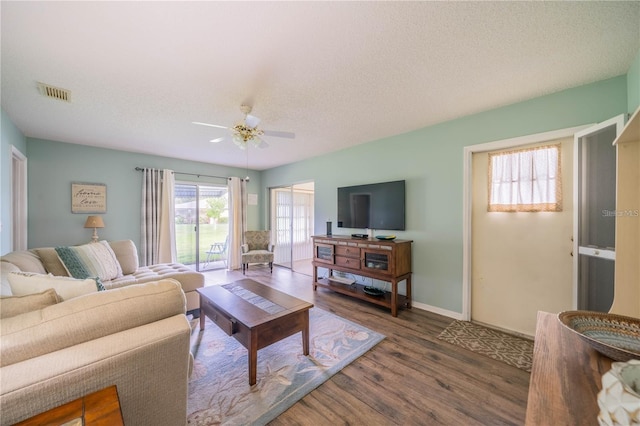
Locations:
(257, 248)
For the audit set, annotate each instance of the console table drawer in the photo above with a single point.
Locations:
(348, 262)
(347, 251)
(225, 323)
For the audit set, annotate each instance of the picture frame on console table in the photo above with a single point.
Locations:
(88, 197)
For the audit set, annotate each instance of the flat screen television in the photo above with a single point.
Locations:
(372, 206)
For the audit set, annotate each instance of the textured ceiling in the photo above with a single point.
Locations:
(335, 73)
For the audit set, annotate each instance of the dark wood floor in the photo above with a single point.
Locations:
(410, 378)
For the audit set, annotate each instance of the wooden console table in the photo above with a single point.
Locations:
(566, 377)
(384, 260)
(98, 408)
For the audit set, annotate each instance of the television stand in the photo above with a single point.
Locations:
(384, 260)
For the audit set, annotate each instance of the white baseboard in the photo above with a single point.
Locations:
(436, 310)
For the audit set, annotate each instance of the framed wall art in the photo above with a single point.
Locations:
(88, 197)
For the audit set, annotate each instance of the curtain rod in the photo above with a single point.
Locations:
(191, 174)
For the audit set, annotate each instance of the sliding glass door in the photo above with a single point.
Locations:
(202, 225)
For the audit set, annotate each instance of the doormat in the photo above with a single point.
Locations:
(512, 350)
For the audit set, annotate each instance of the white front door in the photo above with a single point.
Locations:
(521, 261)
(533, 269)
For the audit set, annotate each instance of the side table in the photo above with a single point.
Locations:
(566, 376)
(96, 409)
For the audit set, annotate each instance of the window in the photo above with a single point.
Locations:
(525, 180)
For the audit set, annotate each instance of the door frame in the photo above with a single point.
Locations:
(467, 195)
(618, 121)
(19, 216)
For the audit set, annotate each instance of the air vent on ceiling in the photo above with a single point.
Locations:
(54, 92)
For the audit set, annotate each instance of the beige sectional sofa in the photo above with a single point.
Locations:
(63, 337)
(135, 337)
(46, 261)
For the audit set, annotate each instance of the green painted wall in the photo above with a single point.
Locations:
(54, 165)
(431, 161)
(633, 85)
(11, 137)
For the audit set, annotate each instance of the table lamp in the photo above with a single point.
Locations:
(94, 222)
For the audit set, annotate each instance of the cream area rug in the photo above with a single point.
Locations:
(510, 349)
(219, 391)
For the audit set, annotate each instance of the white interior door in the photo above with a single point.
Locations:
(594, 218)
(281, 225)
(292, 225)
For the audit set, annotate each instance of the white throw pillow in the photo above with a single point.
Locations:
(67, 288)
(5, 269)
(90, 260)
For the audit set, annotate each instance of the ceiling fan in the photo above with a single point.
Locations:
(247, 131)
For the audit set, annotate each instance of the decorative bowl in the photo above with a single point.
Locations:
(615, 336)
(373, 291)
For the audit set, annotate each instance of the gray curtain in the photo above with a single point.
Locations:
(237, 220)
(158, 212)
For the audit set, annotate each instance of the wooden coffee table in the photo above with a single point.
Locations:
(256, 315)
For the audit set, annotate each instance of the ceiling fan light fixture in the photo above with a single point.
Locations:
(246, 133)
(239, 141)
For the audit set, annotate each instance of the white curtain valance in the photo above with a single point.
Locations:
(525, 180)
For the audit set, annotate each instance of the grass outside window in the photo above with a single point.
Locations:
(186, 237)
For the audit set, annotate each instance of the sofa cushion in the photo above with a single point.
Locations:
(90, 260)
(25, 260)
(87, 317)
(11, 306)
(188, 278)
(5, 269)
(127, 255)
(23, 283)
(51, 261)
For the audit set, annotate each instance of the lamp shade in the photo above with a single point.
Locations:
(94, 222)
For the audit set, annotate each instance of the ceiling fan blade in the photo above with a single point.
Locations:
(252, 121)
(216, 140)
(278, 134)
(210, 125)
(260, 143)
